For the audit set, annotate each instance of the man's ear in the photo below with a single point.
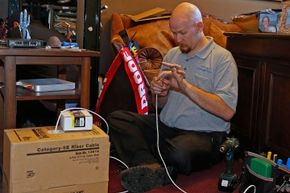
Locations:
(199, 26)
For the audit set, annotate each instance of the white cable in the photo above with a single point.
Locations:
(282, 185)
(125, 191)
(250, 186)
(158, 148)
(124, 165)
(120, 161)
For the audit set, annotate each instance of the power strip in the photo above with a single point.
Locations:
(23, 43)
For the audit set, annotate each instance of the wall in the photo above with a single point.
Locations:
(213, 7)
(3, 8)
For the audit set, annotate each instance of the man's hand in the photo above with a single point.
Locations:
(174, 76)
(159, 86)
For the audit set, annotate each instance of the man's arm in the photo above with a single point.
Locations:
(208, 101)
(161, 100)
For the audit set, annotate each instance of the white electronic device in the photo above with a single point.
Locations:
(76, 120)
(46, 84)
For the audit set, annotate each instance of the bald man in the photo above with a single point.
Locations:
(197, 94)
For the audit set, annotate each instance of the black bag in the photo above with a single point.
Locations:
(249, 177)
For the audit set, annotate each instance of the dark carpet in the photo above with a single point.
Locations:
(205, 181)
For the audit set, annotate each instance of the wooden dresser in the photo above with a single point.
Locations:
(263, 111)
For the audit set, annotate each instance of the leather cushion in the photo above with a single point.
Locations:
(217, 34)
(155, 34)
(248, 23)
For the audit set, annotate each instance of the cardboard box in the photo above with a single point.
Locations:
(151, 14)
(99, 187)
(36, 161)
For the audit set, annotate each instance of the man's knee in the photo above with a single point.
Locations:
(187, 153)
(120, 115)
(185, 161)
(181, 161)
(122, 121)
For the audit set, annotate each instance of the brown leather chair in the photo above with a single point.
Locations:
(157, 34)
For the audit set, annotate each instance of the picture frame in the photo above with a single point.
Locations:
(268, 22)
(284, 21)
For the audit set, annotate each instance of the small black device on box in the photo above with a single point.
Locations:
(24, 43)
(76, 120)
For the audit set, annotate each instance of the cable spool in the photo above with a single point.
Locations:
(150, 60)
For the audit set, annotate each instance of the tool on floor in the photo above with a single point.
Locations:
(228, 180)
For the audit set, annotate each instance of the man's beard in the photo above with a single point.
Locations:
(184, 49)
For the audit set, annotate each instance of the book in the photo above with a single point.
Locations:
(46, 84)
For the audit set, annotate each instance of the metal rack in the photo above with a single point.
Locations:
(62, 18)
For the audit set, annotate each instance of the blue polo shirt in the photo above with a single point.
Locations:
(212, 69)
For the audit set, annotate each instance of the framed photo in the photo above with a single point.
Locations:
(268, 22)
(284, 22)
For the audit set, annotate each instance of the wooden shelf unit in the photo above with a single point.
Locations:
(11, 93)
